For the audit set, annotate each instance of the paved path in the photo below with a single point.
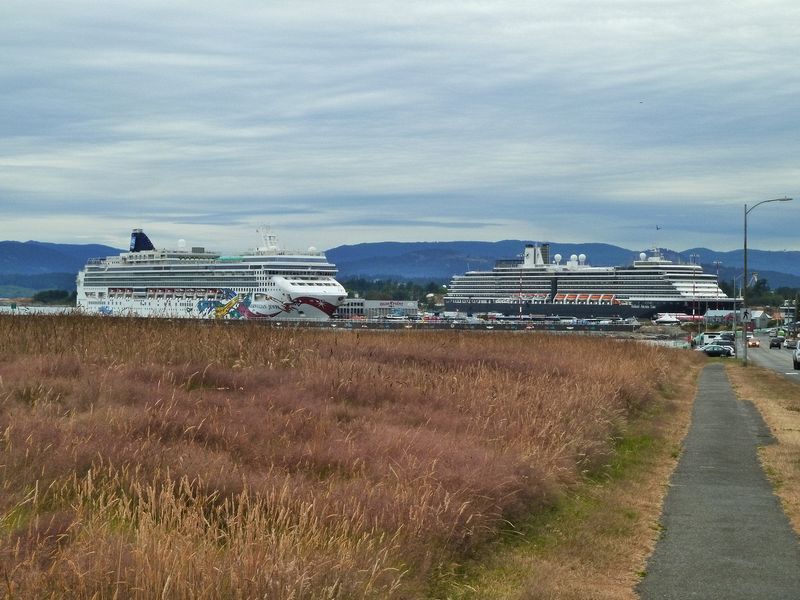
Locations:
(725, 534)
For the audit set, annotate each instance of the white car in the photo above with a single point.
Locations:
(796, 358)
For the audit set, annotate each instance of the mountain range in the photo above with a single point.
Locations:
(439, 261)
(28, 267)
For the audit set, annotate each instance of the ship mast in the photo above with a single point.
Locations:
(269, 238)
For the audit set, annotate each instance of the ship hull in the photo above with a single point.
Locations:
(645, 310)
(230, 304)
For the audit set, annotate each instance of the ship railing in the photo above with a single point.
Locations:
(585, 299)
(285, 252)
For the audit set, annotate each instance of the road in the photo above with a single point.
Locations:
(779, 360)
(724, 533)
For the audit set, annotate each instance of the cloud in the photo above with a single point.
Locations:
(361, 121)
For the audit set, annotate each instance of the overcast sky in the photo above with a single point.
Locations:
(345, 122)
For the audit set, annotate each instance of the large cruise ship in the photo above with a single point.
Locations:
(264, 283)
(537, 285)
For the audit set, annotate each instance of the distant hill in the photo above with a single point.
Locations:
(439, 261)
(442, 260)
(24, 286)
(30, 258)
(28, 267)
(787, 261)
(775, 279)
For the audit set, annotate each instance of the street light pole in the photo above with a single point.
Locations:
(745, 311)
(693, 258)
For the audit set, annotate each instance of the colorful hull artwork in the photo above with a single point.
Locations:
(238, 306)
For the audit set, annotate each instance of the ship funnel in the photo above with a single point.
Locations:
(533, 256)
(529, 258)
(545, 254)
(140, 241)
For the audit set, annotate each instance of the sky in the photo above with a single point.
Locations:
(634, 123)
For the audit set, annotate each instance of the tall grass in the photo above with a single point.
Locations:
(201, 460)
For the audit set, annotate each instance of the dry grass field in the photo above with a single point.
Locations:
(147, 458)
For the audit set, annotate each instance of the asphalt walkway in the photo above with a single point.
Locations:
(724, 532)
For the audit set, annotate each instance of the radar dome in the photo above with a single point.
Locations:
(312, 249)
(557, 258)
(642, 256)
(582, 258)
(573, 257)
(181, 244)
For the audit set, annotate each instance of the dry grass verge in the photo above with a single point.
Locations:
(145, 458)
(778, 401)
(593, 543)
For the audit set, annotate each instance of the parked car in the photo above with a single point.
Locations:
(776, 342)
(717, 350)
(796, 358)
(704, 339)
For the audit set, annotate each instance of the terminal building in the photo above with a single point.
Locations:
(376, 309)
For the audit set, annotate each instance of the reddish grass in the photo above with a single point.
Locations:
(204, 460)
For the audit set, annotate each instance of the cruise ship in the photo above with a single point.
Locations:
(265, 283)
(536, 285)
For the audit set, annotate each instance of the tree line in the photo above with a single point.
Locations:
(760, 294)
(55, 297)
(389, 289)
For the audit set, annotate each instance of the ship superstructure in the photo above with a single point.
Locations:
(264, 283)
(535, 284)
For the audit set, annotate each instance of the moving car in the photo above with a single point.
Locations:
(776, 342)
(796, 358)
(753, 343)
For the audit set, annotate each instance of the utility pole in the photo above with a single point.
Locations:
(693, 258)
(796, 309)
(747, 211)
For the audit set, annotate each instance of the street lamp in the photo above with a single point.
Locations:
(740, 278)
(693, 258)
(745, 312)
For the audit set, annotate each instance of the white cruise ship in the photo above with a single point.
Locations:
(535, 285)
(264, 283)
